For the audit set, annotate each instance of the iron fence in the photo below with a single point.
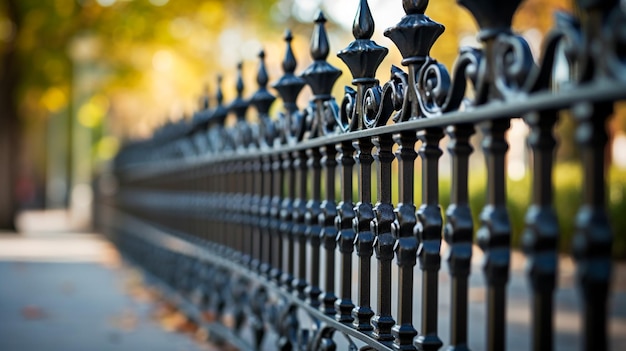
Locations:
(243, 222)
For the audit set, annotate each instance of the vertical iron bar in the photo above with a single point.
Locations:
(459, 232)
(364, 239)
(384, 241)
(257, 167)
(494, 235)
(593, 237)
(328, 234)
(314, 228)
(346, 234)
(287, 219)
(540, 239)
(429, 230)
(299, 228)
(406, 242)
(250, 204)
(264, 222)
(276, 235)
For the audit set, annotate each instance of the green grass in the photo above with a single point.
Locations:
(568, 186)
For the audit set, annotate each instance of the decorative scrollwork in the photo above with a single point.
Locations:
(565, 38)
(513, 62)
(379, 103)
(349, 108)
(438, 94)
(615, 36)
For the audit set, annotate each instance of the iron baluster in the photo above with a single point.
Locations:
(321, 77)
(362, 56)
(428, 231)
(288, 221)
(276, 233)
(458, 233)
(248, 234)
(264, 214)
(540, 239)
(494, 235)
(257, 202)
(364, 239)
(593, 236)
(346, 235)
(290, 130)
(328, 234)
(384, 241)
(286, 217)
(406, 242)
(313, 229)
(299, 228)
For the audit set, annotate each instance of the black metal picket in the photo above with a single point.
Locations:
(242, 222)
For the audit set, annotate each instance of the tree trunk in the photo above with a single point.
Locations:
(9, 125)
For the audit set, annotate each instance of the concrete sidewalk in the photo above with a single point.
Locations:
(70, 292)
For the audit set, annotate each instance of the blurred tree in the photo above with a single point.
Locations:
(45, 44)
(9, 129)
(70, 63)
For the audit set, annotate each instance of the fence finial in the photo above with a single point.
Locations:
(416, 33)
(319, 40)
(240, 85)
(414, 6)
(320, 75)
(261, 77)
(204, 99)
(363, 56)
(363, 25)
(219, 96)
(492, 16)
(262, 99)
(289, 62)
(289, 86)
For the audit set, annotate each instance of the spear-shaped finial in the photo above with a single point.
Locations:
(219, 95)
(262, 99)
(363, 25)
(415, 34)
(261, 77)
(289, 62)
(289, 86)
(204, 100)
(492, 16)
(319, 40)
(320, 75)
(363, 56)
(240, 85)
(414, 6)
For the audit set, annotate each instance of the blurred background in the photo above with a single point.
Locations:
(80, 77)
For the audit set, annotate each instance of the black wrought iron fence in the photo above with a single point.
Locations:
(243, 222)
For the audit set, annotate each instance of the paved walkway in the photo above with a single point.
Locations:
(69, 292)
